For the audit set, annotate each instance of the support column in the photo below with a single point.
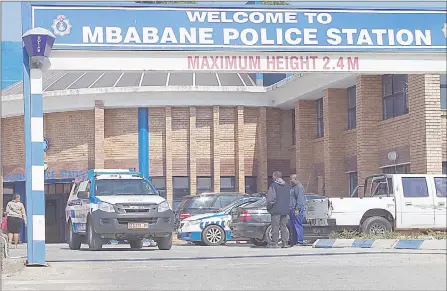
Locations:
(424, 101)
(216, 149)
(240, 151)
(305, 133)
(335, 114)
(168, 155)
(99, 134)
(261, 151)
(192, 151)
(35, 173)
(143, 141)
(368, 114)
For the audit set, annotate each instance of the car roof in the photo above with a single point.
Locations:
(211, 194)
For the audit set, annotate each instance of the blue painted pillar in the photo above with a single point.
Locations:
(35, 172)
(143, 141)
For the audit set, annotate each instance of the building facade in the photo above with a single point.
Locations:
(332, 137)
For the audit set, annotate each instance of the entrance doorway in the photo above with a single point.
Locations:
(55, 218)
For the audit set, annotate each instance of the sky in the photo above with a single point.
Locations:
(11, 25)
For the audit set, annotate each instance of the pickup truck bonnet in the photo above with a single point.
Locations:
(146, 199)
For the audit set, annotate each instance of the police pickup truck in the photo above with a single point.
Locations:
(117, 205)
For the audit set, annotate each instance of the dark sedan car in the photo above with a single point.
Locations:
(204, 203)
(252, 222)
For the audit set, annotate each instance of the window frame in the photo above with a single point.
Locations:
(180, 191)
(394, 96)
(394, 169)
(320, 120)
(162, 190)
(443, 85)
(353, 176)
(414, 178)
(227, 189)
(352, 108)
(209, 189)
(247, 185)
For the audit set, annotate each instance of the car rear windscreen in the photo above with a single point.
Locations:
(200, 202)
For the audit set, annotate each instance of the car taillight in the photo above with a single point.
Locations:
(245, 216)
(184, 215)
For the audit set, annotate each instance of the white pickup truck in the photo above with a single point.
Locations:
(394, 202)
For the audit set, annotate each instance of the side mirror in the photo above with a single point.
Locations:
(83, 195)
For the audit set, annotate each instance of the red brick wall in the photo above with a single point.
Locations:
(13, 151)
(180, 141)
(204, 131)
(394, 136)
(121, 138)
(250, 145)
(157, 141)
(227, 119)
(279, 141)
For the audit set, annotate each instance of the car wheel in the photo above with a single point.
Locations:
(74, 239)
(268, 235)
(258, 242)
(136, 243)
(165, 243)
(376, 225)
(94, 240)
(213, 235)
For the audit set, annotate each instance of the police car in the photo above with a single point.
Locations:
(117, 204)
(211, 229)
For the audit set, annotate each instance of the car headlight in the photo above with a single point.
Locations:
(194, 222)
(163, 206)
(106, 207)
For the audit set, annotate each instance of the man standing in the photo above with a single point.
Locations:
(278, 205)
(298, 206)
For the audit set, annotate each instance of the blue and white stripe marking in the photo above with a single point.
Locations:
(408, 244)
(37, 174)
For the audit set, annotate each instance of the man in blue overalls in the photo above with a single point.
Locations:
(297, 208)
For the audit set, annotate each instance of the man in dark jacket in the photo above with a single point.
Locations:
(297, 208)
(278, 205)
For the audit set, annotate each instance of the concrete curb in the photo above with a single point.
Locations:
(406, 244)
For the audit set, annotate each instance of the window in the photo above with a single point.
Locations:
(180, 187)
(106, 187)
(293, 127)
(415, 187)
(160, 184)
(224, 200)
(400, 169)
(352, 182)
(250, 185)
(444, 168)
(444, 92)
(441, 186)
(204, 184)
(320, 121)
(352, 95)
(227, 184)
(394, 93)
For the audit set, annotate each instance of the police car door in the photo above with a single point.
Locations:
(83, 208)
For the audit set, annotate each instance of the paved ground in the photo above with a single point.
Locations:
(233, 268)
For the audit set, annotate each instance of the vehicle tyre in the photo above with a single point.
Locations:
(165, 243)
(213, 235)
(258, 242)
(136, 243)
(94, 240)
(74, 239)
(376, 225)
(268, 235)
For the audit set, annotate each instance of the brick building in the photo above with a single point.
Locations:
(221, 132)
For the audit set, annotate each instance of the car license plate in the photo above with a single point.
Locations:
(137, 225)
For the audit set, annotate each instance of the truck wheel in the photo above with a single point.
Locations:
(74, 239)
(268, 235)
(136, 243)
(94, 240)
(258, 242)
(376, 225)
(213, 235)
(165, 243)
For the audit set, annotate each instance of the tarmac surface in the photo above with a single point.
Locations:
(232, 267)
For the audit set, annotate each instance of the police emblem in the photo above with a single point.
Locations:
(61, 25)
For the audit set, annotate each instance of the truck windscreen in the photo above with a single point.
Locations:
(123, 187)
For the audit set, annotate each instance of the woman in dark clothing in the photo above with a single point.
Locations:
(15, 212)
